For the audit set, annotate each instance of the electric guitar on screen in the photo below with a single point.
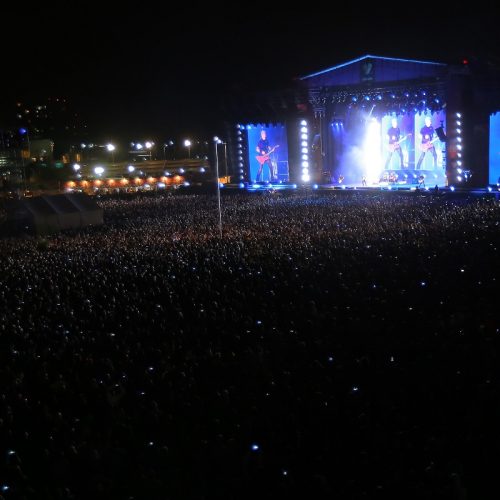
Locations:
(428, 145)
(263, 158)
(396, 145)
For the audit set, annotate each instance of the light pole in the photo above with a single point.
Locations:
(164, 155)
(111, 148)
(217, 141)
(225, 159)
(24, 131)
(149, 146)
(187, 143)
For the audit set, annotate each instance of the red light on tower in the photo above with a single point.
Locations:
(465, 62)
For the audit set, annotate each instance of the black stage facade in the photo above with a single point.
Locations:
(373, 122)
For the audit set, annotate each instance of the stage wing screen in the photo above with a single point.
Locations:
(267, 153)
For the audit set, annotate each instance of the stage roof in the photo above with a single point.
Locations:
(374, 69)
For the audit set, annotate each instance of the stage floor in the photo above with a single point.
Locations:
(266, 187)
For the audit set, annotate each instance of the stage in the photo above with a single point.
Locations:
(269, 188)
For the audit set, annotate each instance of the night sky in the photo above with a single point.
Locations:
(144, 70)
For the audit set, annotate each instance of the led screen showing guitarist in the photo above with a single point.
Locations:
(394, 137)
(264, 151)
(427, 142)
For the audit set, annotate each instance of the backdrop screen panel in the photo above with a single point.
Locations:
(494, 176)
(267, 153)
(397, 141)
(430, 129)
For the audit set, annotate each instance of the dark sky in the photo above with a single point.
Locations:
(150, 70)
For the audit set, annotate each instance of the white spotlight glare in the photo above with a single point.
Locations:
(99, 170)
(372, 159)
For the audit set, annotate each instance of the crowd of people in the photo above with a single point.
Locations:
(333, 345)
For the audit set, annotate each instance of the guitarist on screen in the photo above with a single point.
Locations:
(264, 156)
(427, 145)
(394, 136)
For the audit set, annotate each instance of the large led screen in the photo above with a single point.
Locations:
(268, 153)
